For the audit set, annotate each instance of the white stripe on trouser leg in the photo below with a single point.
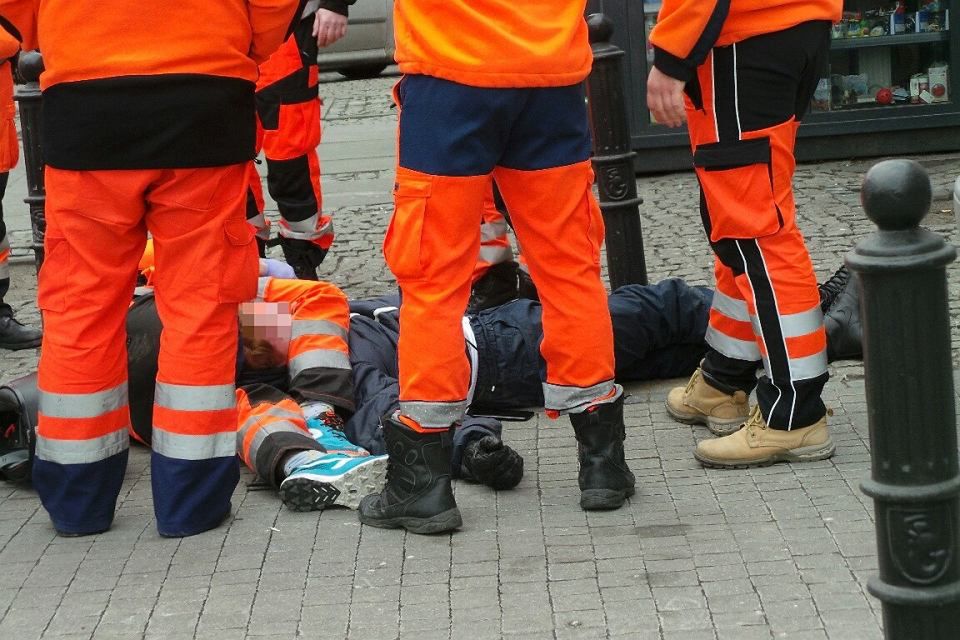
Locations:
(732, 347)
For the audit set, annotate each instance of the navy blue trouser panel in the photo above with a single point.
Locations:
(80, 498)
(192, 496)
(658, 332)
(451, 129)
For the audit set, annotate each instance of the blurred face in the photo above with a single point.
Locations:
(269, 322)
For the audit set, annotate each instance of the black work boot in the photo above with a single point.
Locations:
(842, 323)
(15, 335)
(830, 289)
(304, 256)
(417, 496)
(605, 480)
(495, 287)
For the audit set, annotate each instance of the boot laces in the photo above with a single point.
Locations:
(692, 382)
(755, 420)
(830, 289)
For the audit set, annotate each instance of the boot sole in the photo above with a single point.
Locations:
(716, 427)
(19, 346)
(604, 499)
(801, 454)
(317, 492)
(444, 521)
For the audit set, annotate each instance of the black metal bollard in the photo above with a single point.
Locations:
(28, 95)
(915, 483)
(613, 158)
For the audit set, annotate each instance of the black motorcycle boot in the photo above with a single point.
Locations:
(842, 323)
(417, 495)
(495, 287)
(605, 481)
(15, 336)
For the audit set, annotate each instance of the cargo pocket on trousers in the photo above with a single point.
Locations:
(239, 263)
(402, 243)
(52, 281)
(737, 184)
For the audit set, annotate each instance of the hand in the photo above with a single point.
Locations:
(276, 269)
(328, 27)
(491, 462)
(665, 98)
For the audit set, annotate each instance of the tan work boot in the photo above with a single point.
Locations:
(757, 445)
(699, 403)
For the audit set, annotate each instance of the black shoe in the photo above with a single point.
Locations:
(842, 323)
(605, 480)
(304, 256)
(417, 496)
(830, 289)
(489, 461)
(497, 286)
(15, 336)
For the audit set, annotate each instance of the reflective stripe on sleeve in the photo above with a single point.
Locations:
(182, 397)
(306, 229)
(83, 405)
(317, 358)
(317, 327)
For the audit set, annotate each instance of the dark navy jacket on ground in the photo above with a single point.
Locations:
(658, 333)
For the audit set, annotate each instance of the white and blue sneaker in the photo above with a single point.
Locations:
(333, 479)
(332, 438)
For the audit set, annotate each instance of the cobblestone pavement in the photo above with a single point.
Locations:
(781, 552)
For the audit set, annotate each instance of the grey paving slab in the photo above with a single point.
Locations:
(781, 552)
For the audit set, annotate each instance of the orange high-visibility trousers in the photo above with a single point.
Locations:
(743, 112)
(536, 145)
(206, 262)
(288, 108)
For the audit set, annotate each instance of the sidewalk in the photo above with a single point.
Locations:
(779, 552)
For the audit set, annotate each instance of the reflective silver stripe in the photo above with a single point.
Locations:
(82, 451)
(573, 399)
(493, 230)
(732, 347)
(183, 397)
(795, 325)
(262, 283)
(264, 433)
(272, 412)
(808, 367)
(318, 358)
(434, 415)
(83, 405)
(379, 310)
(192, 447)
(730, 307)
(259, 223)
(306, 229)
(317, 327)
(495, 255)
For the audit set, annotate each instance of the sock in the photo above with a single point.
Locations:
(299, 459)
(314, 408)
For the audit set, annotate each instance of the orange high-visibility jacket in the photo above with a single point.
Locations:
(686, 30)
(143, 85)
(9, 151)
(494, 43)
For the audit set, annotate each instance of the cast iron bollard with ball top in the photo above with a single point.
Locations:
(915, 480)
(28, 95)
(613, 158)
